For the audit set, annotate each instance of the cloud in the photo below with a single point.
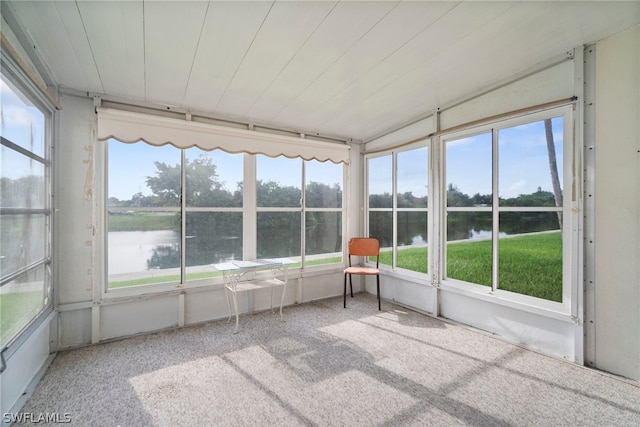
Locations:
(461, 141)
(15, 111)
(515, 189)
(14, 115)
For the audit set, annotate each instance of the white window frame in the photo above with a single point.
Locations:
(571, 210)
(425, 143)
(249, 210)
(14, 74)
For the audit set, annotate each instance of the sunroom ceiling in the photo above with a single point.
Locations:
(352, 68)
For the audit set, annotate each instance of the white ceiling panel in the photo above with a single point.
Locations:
(345, 25)
(417, 57)
(284, 31)
(79, 59)
(172, 32)
(399, 26)
(61, 42)
(348, 68)
(229, 30)
(113, 45)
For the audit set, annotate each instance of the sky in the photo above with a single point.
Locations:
(523, 163)
(131, 164)
(22, 124)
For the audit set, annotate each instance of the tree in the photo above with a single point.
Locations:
(553, 167)
(166, 185)
(456, 198)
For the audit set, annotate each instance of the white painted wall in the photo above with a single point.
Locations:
(617, 204)
(25, 366)
(76, 229)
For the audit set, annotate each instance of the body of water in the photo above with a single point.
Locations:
(130, 250)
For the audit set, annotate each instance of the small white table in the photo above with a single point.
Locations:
(242, 276)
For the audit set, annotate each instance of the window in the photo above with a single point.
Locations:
(323, 213)
(504, 207)
(144, 219)
(503, 224)
(284, 210)
(398, 216)
(411, 220)
(25, 211)
(173, 213)
(380, 198)
(213, 210)
(468, 200)
(279, 197)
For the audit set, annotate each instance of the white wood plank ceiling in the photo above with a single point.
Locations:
(352, 68)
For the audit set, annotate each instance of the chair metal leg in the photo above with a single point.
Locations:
(345, 292)
(378, 283)
(351, 285)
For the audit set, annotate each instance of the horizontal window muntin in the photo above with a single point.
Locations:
(18, 149)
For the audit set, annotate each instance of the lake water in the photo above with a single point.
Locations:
(130, 250)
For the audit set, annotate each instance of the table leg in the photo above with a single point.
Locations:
(284, 290)
(226, 293)
(235, 306)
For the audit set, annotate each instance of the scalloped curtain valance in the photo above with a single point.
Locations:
(132, 127)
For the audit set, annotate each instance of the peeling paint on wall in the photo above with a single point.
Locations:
(88, 181)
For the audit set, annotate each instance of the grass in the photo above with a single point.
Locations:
(141, 221)
(532, 265)
(202, 275)
(529, 265)
(16, 310)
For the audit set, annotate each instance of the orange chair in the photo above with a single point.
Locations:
(366, 247)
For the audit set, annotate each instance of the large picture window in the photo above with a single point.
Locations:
(25, 211)
(144, 219)
(504, 207)
(173, 213)
(502, 222)
(299, 205)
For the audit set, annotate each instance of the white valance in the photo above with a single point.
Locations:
(132, 127)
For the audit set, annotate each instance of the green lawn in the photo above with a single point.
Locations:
(16, 310)
(529, 265)
(141, 221)
(203, 275)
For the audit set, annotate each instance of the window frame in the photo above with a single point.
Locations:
(394, 209)
(437, 206)
(570, 212)
(13, 76)
(249, 210)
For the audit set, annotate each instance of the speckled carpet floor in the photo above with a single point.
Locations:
(327, 366)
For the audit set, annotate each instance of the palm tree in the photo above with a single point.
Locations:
(553, 167)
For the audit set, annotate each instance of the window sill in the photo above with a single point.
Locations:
(550, 309)
(133, 293)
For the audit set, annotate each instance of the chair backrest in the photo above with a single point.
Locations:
(364, 246)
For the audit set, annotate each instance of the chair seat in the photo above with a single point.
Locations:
(361, 270)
